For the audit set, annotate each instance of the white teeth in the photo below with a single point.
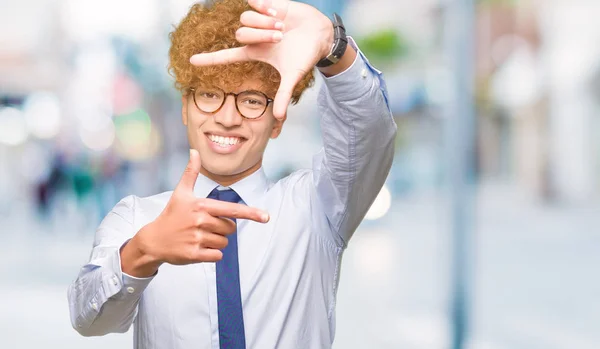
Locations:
(224, 141)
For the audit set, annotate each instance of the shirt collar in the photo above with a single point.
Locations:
(249, 188)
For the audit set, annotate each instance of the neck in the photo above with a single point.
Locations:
(228, 180)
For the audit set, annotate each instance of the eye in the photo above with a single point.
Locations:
(209, 95)
(253, 101)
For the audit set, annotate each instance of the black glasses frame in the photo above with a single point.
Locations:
(235, 97)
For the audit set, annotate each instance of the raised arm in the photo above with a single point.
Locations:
(358, 133)
(358, 128)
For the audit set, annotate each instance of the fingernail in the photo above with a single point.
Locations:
(265, 217)
(272, 12)
(277, 36)
(279, 25)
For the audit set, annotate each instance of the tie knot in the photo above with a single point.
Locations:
(228, 195)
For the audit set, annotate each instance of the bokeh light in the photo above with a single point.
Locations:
(127, 95)
(100, 138)
(42, 114)
(381, 205)
(13, 129)
(137, 139)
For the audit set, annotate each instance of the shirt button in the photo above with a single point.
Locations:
(130, 289)
(94, 306)
(363, 73)
(115, 280)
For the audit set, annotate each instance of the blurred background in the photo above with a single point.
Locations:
(88, 115)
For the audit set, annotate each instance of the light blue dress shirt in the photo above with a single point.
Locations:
(289, 267)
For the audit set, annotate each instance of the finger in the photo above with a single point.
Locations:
(212, 240)
(254, 19)
(208, 255)
(218, 208)
(273, 8)
(248, 36)
(190, 174)
(219, 225)
(285, 91)
(263, 6)
(227, 56)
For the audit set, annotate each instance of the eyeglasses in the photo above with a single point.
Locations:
(250, 104)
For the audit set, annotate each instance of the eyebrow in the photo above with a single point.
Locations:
(248, 90)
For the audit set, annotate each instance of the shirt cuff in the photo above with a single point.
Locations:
(345, 86)
(132, 286)
(127, 286)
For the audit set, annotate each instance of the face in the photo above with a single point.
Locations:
(231, 147)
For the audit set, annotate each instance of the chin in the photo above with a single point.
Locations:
(226, 165)
(225, 170)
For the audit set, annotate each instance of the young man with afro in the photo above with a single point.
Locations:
(229, 258)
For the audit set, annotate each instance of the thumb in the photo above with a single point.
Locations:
(284, 93)
(190, 174)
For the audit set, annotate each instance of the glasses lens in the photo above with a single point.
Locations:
(209, 100)
(252, 104)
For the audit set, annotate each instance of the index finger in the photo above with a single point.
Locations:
(273, 8)
(226, 56)
(217, 208)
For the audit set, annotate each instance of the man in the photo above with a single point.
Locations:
(176, 264)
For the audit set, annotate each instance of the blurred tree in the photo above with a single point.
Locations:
(384, 47)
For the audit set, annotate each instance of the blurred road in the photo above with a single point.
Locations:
(535, 276)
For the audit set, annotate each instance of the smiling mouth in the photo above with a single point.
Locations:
(225, 141)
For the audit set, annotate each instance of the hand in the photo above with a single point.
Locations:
(290, 36)
(189, 229)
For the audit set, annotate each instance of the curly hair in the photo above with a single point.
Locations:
(209, 27)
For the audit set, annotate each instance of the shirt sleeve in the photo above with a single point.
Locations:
(103, 299)
(358, 132)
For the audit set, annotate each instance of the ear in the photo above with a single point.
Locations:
(184, 114)
(277, 126)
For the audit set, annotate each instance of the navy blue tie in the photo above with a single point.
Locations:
(229, 299)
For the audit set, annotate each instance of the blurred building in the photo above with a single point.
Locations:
(538, 104)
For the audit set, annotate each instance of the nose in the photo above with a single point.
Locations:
(229, 116)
